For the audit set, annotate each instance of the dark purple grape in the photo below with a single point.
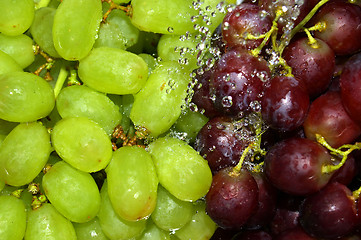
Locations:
(285, 103)
(328, 117)
(221, 143)
(295, 165)
(284, 220)
(245, 18)
(313, 64)
(343, 26)
(202, 97)
(350, 84)
(238, 82)
(267, 197)
(223, 234)
(294, 234)
(287, 212)
(253, 235)
(330, 213)
(295, 12)
(232, 198)
(347, 172)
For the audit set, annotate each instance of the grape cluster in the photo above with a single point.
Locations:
(159, 119)
(283, 136)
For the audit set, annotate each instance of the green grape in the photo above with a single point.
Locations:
(8, 64)
(46, 223)
(168, 209)
(181, 170)
(89, 230)
(82, 101)
(127, 103)
(19, 47)
(76, 23)
(24, 153)
(121, 1)
(152, 232)
(8, 190)
(50, 120)
(24, 97)
(42, 30)
(189, 124)
(158, 104)
(163, 16)
(113, 226)
(82, 143)
(16, 16)
(27, 198)
(179, 48)
(72, 192)
(213, 12)
(6, 127)
(2, 185)
(113, 70)
(12, 218)
(201, 226)
(117, 31)
(132, 183)
(151, 61)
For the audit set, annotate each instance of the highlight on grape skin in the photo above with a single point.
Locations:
(186, 119)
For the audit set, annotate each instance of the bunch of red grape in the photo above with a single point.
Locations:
(284, 103)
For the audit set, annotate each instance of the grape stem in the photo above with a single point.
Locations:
(60, 81)
(301, 25)
(338, 152)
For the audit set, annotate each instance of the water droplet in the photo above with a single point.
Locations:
(170, 30)
(227, 101)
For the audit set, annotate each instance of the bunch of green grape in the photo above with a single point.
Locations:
(96, 122)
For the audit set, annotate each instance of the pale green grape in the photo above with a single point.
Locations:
(158, 104)
(12, 218)
(189, 124)
(42, 30)
(24, 153)
(16, 16)
(50, 120)
(213, 12)
(113, 70)
(6, 126)
(168, 209)
(132, 183)
(201, 226)
(2, 185)
(150, 60)
(89, 230)
(8, 64)
(19, 47)
(46, 223)
(7, 190)
(76, 24)
(163, 16)
(117, 31)
(181, 170)
(152, 232)
(82, 101)
(24, 97)
(179, 48)
(72, 192)
(82, 143)
(113, 226)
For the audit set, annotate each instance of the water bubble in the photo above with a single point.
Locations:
(194, 18)
(227, 101)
